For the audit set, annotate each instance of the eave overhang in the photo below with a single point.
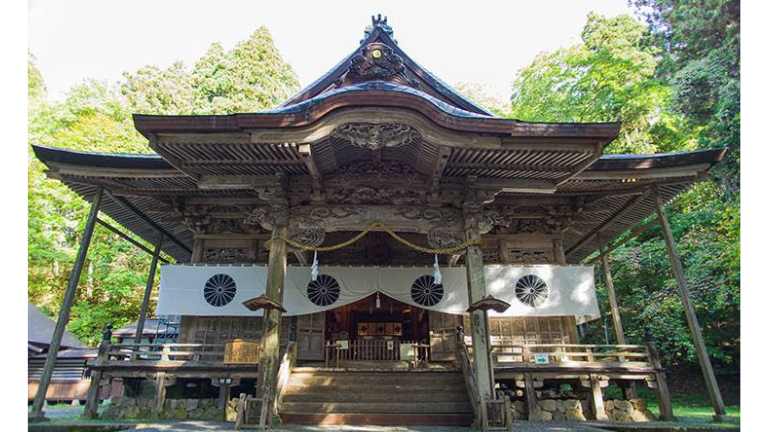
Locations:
(616, 190)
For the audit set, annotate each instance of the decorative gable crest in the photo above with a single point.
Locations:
(375, 61)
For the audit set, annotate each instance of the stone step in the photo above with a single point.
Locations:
(377, 419)
(296, 388)
(299, 394)
(377, 407)
(375, 379)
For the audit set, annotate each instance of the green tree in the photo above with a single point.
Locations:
(607, 77)
(96, 116)
(700, 45)
(619, 72)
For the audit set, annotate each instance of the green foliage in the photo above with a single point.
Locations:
(96, 116)
(607, 77)
(620, 71)
(700, 47)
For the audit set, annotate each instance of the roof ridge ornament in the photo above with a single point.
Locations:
(378, 21)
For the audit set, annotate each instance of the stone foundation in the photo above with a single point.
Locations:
(617, 410)
(633, 410)
(177, 409)
(560, 410)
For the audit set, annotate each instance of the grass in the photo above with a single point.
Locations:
(691, 408)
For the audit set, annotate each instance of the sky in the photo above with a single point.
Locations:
(484, 42)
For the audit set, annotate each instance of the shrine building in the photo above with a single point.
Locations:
(378, 249)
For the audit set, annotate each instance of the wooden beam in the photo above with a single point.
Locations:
(690, 314)
(130, 207)
(128, 239)
(66, 306)
(634, 232)
(148, 291)
(630, 203)
(441, 161)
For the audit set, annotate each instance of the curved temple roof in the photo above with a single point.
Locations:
(376, 108)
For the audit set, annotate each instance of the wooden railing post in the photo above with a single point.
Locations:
(662, 389)
(92, 398)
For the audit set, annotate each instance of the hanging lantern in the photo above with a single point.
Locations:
(315, 271)
(437, 275)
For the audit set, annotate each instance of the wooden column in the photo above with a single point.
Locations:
(269, 361)
(530, 395)
(480, 337)
(660, 382)
(92, 397)
(690, 314)
(630, 391)
(558, 251)
(596, 393)
(617, 326)
(162, 381)
(66, 306)
(148, 291)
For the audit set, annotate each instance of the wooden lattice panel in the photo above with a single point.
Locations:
(241, 351)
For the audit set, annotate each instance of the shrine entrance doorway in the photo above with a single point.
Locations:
(378, 328)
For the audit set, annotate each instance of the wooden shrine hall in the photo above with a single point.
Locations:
(377, 234)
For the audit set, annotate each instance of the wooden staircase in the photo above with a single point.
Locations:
(323, 396)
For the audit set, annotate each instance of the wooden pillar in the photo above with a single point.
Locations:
(269, 361)
(690, 314)
(596, 393)
(558, 251)
(617, 326)
(148, 291)
(662, 390)
(480, 337)
(162, 381)
(530, 395)
(66, 306)
(92, 397)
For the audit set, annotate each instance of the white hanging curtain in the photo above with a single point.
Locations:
(219, 290)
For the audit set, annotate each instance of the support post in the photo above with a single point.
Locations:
(66, 306)
(661, 387)
(269, 361)
(92, 397)
(480, 338)
(559, 251)
(618, 328)
(148, 291)
(530, 396)
(690, 314)
(598, 406)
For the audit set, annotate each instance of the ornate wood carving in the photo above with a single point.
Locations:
(375, 61)
(375, 136)
(228, 255)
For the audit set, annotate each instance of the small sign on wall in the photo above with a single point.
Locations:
(541, 358)
(343, 344)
